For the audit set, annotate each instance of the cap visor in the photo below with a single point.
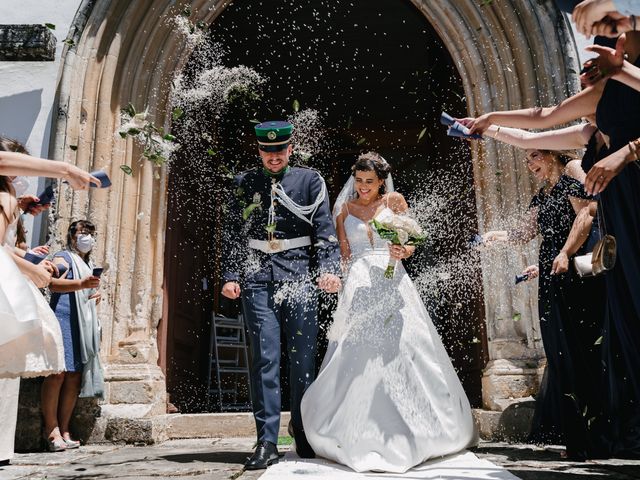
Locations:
(273, 148)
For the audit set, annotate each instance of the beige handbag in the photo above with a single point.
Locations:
(603, 257)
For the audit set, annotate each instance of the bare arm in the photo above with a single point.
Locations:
(611, 63)
(579, 230)
(574, 169)
(12, 163)
(526, 231)
(569, 138)
(577, 236)
(580, 105)
(629, 75)
(606, 169)
(398, 204)
(345, 249)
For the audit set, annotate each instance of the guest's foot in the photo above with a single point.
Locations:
(71, 443)
(266, 454)
(54, 441)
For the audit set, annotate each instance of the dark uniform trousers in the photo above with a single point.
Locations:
(266, 312)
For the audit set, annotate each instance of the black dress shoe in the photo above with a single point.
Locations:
(266, 454)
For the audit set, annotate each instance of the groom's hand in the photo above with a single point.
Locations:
(231, 290)
(329, 282)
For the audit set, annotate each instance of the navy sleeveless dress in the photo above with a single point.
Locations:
(571, 309)
(64, 306)
(618, 116)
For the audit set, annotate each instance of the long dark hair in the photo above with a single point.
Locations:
(73, 229)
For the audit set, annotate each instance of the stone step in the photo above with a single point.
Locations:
(513, 425)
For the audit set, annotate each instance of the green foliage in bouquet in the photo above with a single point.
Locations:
(387, 233)
(411, 234)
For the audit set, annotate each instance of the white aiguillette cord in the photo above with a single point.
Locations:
(300, 211)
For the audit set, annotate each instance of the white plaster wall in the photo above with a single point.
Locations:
(27, 89)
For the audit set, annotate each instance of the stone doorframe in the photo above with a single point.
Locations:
(510, 54)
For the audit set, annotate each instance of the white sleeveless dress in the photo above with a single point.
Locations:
(387, 397)
(30, 338)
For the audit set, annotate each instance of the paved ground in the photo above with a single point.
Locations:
(221, 459)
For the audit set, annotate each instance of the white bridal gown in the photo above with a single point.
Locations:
(30, 338)
(387, 397)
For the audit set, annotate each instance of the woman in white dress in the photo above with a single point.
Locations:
(387, 397)
(30, 340)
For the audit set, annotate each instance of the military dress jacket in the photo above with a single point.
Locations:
(248, 218)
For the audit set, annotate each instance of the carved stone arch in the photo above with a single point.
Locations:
(510, 54)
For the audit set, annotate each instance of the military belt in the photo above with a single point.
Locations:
(279, 245)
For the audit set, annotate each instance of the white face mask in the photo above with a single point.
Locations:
(20, 185)
(85, 243)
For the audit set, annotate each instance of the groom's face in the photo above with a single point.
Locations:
(276, 161)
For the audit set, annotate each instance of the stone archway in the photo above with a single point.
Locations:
(127, 52)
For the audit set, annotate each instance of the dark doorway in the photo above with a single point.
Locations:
(379, 76)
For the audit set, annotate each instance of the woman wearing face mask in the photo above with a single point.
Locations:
(30, 338)
(569, 407)
(74, 299)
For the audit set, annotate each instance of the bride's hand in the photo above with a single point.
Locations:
(398, 252)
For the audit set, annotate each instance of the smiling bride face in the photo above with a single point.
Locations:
(370, 172)
(367, 184)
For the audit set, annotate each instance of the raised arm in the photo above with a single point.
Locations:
(610, 63)
(569, 138)
(12, 163)
(580, 105)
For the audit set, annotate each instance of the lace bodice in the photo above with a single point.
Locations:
(358, 236)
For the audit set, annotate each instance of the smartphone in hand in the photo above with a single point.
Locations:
(45, 198)
(97, 271)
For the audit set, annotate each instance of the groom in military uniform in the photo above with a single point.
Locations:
(282, 247)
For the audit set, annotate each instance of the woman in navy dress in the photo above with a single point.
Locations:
(570, 311)
(616, 107)
(75, 290)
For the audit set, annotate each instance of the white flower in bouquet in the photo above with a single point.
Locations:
(399, 229)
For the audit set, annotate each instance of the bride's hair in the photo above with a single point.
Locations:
(372, 162)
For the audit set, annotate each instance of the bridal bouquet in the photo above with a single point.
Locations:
(399, 230)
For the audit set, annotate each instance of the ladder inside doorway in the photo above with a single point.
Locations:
(229, 382)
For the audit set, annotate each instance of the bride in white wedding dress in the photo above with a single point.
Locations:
(387, 397)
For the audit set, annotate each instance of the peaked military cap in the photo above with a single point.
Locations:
(273, 136)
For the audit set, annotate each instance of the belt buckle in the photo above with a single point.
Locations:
(275, 245)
